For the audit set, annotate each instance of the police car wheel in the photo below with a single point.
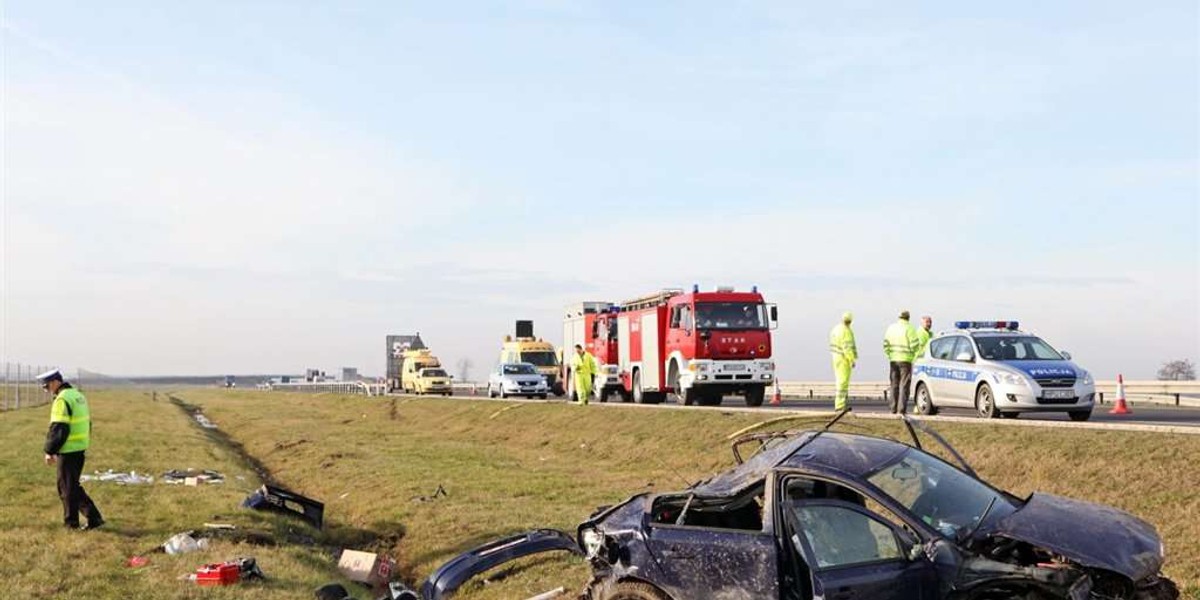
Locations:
(924, 401)
(985, 402)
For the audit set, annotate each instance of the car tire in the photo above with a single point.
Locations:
(542, 396)
(639, 396)
(923, 401)
(1080, 415)
(491, 394)
(985, 402)
(503, 394)
(602, 394)
(634, 590)
(756, 395)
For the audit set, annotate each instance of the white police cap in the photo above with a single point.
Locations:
(51, 375)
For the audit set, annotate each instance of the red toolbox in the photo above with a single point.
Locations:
(218, 574)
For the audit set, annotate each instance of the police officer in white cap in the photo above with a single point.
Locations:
(66, 441)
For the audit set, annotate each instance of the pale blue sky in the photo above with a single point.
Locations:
(259, 186)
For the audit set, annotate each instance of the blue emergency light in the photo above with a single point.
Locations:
(1009, 325)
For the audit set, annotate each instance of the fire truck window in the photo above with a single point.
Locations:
(675, 317)
(612, 331)
(595, 329)
(685, 319)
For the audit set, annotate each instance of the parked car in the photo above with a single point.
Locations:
(517, 379)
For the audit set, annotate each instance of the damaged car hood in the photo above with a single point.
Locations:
(1093, 535)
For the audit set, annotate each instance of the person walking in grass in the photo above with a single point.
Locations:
(66, 442)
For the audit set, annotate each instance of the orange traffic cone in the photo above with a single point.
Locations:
(1121, 408)
(777, 399)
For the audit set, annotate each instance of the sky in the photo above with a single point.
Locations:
(262, 187)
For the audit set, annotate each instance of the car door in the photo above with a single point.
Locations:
(706, 562)
(854, 554)
(936, 367)
(962, 373)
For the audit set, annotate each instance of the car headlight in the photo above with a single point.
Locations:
(592, 541)
(1085, 378)
(1009, 378)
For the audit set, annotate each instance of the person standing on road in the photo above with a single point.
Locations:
(845, 356)
(900, 344)
(66, 441)
(923, 336)
(583, 365)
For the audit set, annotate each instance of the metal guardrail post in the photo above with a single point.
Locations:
(1176, 399)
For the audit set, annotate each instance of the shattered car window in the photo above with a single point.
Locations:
(940, 495)
(840, 536)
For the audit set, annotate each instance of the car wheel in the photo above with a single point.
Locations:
(755, 395)
(503, 394)
(602, 394)
(985, 402)
(924, 404)
(1080, 415)
(639, 396)
(491, 394)
(634, 590)
(541, 396)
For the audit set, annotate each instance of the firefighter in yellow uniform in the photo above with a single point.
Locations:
(583, 366)
(900, 344)
(845, 356)
(68, 438)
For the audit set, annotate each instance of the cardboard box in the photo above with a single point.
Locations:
(366, 567)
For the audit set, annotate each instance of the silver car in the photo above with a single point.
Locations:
(998, 370)
(517, 379)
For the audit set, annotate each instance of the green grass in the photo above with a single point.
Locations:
(373, 460)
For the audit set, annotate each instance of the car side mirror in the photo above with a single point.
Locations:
(913, 548)
(774, 313)
(1066, 355)
(915, 551)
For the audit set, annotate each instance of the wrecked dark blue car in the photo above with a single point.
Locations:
(819, 515)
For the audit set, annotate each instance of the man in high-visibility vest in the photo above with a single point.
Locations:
(923, 336)
(583, 365)
(66, 441)
(900, 345)
(845, 356)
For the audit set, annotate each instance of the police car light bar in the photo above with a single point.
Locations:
(1009, 325)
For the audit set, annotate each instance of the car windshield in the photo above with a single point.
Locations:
(731, 315)
(519, 370)
(433, 373)
(945, 498)
(1015, 347)
(540, 358)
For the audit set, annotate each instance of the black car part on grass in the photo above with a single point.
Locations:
(446, 580)
(269, 497)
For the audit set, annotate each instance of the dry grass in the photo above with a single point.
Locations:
(372, 461)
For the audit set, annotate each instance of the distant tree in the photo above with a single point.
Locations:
(464, 369)
(1177, 370)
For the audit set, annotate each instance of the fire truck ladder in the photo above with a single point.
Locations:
(651, 300)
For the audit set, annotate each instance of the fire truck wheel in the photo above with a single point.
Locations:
(755, 396)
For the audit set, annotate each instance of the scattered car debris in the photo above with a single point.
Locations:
(446, 580)
(550, 595)
(269, 497)
(203, 420)
(192, 477)
(440, 492)
(227, 573)
(137, 562)
(366, 567)
(333, 591)
(119, 478)
(219, 526)
(182, 543)
(797, 518)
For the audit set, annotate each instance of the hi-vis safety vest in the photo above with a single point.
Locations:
(71, 407)
(841, 343)
(923, 336)
(900, 342)
(585, 365)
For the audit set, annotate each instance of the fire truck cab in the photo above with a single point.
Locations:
(701, 346)
(593, 325)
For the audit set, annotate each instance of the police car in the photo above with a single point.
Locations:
(998, 370)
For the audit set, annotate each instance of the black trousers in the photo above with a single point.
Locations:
(901, 376)
(74, 499)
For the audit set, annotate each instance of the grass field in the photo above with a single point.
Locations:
(377, 462)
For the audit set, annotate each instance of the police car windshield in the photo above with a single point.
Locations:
(730, 315)
(540, 359)
(519, 370)
(433, 373)
(945, 498)
(1015, 347)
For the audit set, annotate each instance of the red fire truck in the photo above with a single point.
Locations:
(593, 325)
(700, 346)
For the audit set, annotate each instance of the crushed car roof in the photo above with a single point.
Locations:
(853, 454)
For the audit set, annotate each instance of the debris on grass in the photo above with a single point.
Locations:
(182, 543)
(366, 567)
(440, 492)
(277, 499)
(550, 595)
(203, 421)
(137, 562)
(227, 573)
(192, 477)
(130, 478)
